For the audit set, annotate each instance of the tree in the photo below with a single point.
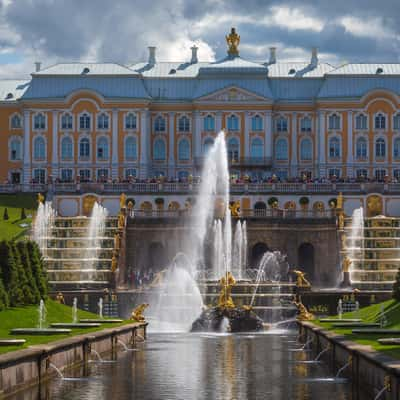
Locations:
(396, 287)
(38, 271)
(5, 215)
(23, 214)
(3, 295)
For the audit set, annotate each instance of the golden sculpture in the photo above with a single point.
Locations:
(114, 263)
(88, 203)
(304, 314)
(117, 241)
(343, 238)
(235, 208)
(374, 205)
(339, 203)
(121, 221)
(233, 40)
(346, 264)
(40, 198)
(226, 283)
(60, 298)
(341, 220)
(301, 281)
(130, 205)
(137, 313)
(122, 201)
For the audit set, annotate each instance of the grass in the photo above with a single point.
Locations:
(11, 229)
(371, 314)
(27, 317)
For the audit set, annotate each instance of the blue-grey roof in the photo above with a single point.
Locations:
(367, 69)
(86, 69)
(12, 90)
(295, 89)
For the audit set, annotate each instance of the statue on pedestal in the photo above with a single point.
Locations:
(304, 314)
(122, 201)
(226, 284)
(137, 313)
(301, 281)
(233, 40)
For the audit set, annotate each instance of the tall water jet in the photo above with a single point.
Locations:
(239, 260)
(356, 240)
(43, 225)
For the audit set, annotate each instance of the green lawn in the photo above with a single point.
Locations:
(27, 317)
(11, 228)
(371, 314)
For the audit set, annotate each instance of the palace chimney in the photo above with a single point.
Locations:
(38, 66)
(152, 55)
(194, 59)
(314, 57)
(272, 55)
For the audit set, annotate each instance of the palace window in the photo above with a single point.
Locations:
(380, 174)
(361, 122)
(361, 148)
(130, 148)
(233, 149)
(66, 121)
(209, 123)
(396, 148)
(159, 124)
(396, 122)
(84, 175)
(184, 150)
(159, 152)
(102, 175)
(282, 124)
(256, 123)
(103, 121)
(102, 149)
(184, 124)
(39, 175)
(380, 148)
(15, 150)
(334, 147)
(380, 121)
(233, 123)
(183, 175)
(257, 148)
(16, 122)
(84, 121)
(130, 173)
(208, 143)
(66, 148)
(39, 149)
(305, 124)
(306, 150)
(39, 121)
(334, 172)
(84, 148)
(130, 121)
(334, 122)
(396, 174)
(66, 175)
(362, 173)
(281, 149)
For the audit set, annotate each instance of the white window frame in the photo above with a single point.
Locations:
(227, 118)
(335, 158)
(85, 158)
(386, 122)
(189, 121)
(73, 148)
(361, 114)
(126, 128)
(360, 158)
(135, 160)
(307, 138)
(21, 143)
(64, 114)
(39, 160)
(106, 115)
(105, 158)
(283, 117)
(331, 115)
(301, 124)
(12, 116)
(79, 121)
(45, 121)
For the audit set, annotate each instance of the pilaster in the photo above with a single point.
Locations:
(27, 172)
(114, 157)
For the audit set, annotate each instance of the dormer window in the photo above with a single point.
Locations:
(39, 121)
(84, 121)
(103, 121)
(380, 121)
(9, 96)
(16, 122)
(292, 71)
(184, 124)
(130, 121)
(85, 70)
(379, 71)
(66, 122)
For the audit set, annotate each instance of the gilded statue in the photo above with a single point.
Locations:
(304, 314)
(374, 205)
(341, 220)
(346, 264)
(301, 281)
(117, 241)
(122, 201)
(235, 208)
(40, 198)
(60, 298)
(225, 299)
(233, 40)
(344, 241)
(114, 263)
(130, 205)
(121, 220)
(339, 203)
(137, 313)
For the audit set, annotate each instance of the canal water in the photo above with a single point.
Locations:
(203, 367)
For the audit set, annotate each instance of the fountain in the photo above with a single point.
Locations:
(43, 225)
(100, 306)
(75, 310)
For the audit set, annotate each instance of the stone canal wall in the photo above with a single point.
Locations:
(369, 370)
(23, 368)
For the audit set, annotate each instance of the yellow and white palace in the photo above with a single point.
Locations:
(106, 122)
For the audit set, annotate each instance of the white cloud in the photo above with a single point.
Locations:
(367, 27)
(293, 19)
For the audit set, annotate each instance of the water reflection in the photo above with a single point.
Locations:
(220, 367)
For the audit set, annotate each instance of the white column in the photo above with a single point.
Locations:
(171, 144)
(247, 134)
(196, 138)
(350, 144)
(218, 122)
(27, 173)
(268, 134)
(114, 157)
(144, 143)
(293, 158)
(322, 141)
(54, 155)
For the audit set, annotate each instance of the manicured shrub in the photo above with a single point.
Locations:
(272, 202)
(3, 296)
(5, 215)
(38, 270)
(396, 287)
(304, 201)
(23, 214)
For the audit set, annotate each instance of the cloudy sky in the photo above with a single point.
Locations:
(120, 30)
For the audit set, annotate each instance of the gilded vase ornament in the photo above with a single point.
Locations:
(344, 241)
(339, 203)
(235, 208)
(225, 299)
(137, 313)
(341, 220)
(122, 201)
(301, 281)
(121, 221)
(346, 264)
(233, 40)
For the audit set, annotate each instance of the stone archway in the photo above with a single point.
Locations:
(157, 257)
(257, 251)
(260, 208)
(306, 256)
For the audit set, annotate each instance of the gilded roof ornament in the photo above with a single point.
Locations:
(233, 40)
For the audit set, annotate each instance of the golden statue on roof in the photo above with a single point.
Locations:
(233, 40)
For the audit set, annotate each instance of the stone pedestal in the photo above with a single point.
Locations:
(346, 280)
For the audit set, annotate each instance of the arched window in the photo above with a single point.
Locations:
(84, 121)
(16, 122)
(103, 121)
(39, 121)
(15, 150)
(380, 121)
(334, 122)
(66, 121)
(209, 123)
(256, 123)
(39, 148)
(159, 152)
(66, 148)
(305, 124)
(306, 150)
(361, 122)
(257, 148)
(130, 121)
(380, 148)
(396, 148)
(361, 148)
(84, 148)
(233, 123)
(281, 124)
(334, 147)
(184, 150)
(396, 122)
(281, 149)
(159, 124)
(208, 143)
(131, 148)
(102, 149)
(184, 124)
(233, 149)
